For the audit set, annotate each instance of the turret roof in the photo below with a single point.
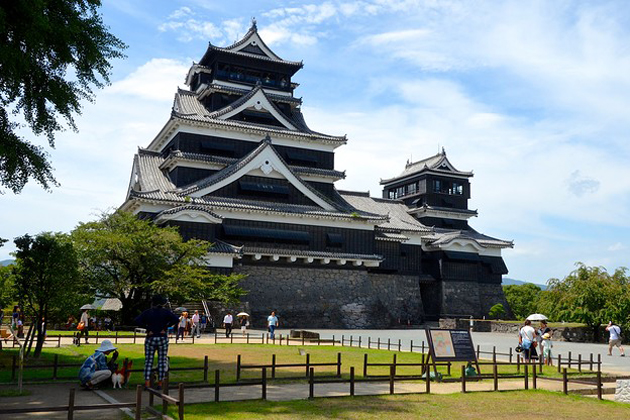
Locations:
(437, 163)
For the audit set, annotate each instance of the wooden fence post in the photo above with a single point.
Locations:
(58, 341)
(389, 344)
(273, 366)
(55, 365)
(96, 337)
(217, 384)
(365, 365)
(369, 342)
(463, 377)
(264, 383)
(394, 364)
(494, 354)
(379, 343)
(165, 392)
(351, 341)
(518, 363)
(205, 368)
(238, 367)
(569, 365)
(352, 381)
(399, 344)
(311, 384)
(411, 346)
(423, 346)
(510, 355)
(333, 340)
(478, 352)
(448, 368)
(359, 341)
(308, 364)
(534, 376)
(71, 404)
(599, 385)
(138, 413)
(247, 342)
(115, 338)
(495, 376)
(342, 340)
(565, 381)
(590, 359)
(134, 336)
(526, 374)
(180, 397)
(580, 362)
(338, 365)
(392, 373)
(559, 363)
(540, 363)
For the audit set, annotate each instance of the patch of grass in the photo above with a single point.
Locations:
(480, 405)
(14, 393)
(223, 357)
(67, 333)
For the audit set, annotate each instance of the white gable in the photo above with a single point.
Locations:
(259, 102)
(267, 163)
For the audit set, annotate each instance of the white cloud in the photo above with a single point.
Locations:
(157, 79)
(617, 247)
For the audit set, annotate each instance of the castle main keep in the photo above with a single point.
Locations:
(237, 165)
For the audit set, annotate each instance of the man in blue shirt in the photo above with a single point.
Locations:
(156, 320)
(272, 322)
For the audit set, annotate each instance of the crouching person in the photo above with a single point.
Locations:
(95, 368)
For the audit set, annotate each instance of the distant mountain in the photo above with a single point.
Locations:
(6, 262)
(508, 281)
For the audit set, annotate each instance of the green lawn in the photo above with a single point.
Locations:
(479, 405)
(66, 333)
(223, 357)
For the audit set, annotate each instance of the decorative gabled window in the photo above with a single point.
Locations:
(258, 188)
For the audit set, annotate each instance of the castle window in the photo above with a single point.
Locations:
(258, 188)
(446, 187)
(267, 235)
(334, 240)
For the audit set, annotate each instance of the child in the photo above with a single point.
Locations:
(547, 345)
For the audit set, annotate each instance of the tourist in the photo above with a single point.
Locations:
(181, 326)
(547, 345)
(228, 319)
(85, 320)
(95, 369)
(71, 323)
(156, 321)
(244, 324)
(526, 337)
(14, 317)
(272, 324)
(20, 325)
(195, 325)
(542, 329)
(204, 322)
(615, 338)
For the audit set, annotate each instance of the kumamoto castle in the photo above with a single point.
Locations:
(237, 165)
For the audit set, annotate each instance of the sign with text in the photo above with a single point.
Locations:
(454, 345)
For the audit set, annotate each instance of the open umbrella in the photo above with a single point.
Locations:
(88, 306)
(181, 309)
(242, 314)
(537, 317)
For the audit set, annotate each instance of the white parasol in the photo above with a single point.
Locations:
(537, 317)
(242, 314)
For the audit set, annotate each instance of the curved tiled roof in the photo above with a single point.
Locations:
(433, 163)
(187, 106)
(314, 254)
(445, 236)
(188, 207)
(215, 87)
(221, 160)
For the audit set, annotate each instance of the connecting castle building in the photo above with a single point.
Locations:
(237, 165)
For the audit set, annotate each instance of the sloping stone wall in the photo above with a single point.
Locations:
(330, 298)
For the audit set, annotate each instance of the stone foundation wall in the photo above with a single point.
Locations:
(461, 298)
(330, 298)
(490, 295)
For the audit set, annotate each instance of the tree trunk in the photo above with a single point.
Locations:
(41, 336)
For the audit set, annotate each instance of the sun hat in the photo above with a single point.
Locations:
(546, 336)
(106, 345)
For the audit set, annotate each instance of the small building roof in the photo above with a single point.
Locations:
(438, 163)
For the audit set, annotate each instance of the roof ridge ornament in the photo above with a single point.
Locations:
(254, 26)
(267, 139)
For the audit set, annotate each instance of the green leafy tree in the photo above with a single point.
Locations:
(52, 54)
(590, 295)
(7, 290)
(497, 311)
(128, 258)
(522, 299)
(46, 279)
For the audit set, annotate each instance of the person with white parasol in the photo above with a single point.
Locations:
(84, 322)
(244, 321)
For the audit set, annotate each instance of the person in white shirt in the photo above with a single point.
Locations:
(227, 323)
(195, 325)
(526, 337)
(272, 323)
(615, 338)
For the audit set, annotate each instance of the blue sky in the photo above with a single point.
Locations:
(534, 97)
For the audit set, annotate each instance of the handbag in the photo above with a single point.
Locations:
(81, 326)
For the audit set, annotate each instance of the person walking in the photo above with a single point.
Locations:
(526, 337)
(195, 325)
(272, 324)
(615, 338)
(228, 319)
(156, 321)
(181, 326)
(204, 322)
(85, 319)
